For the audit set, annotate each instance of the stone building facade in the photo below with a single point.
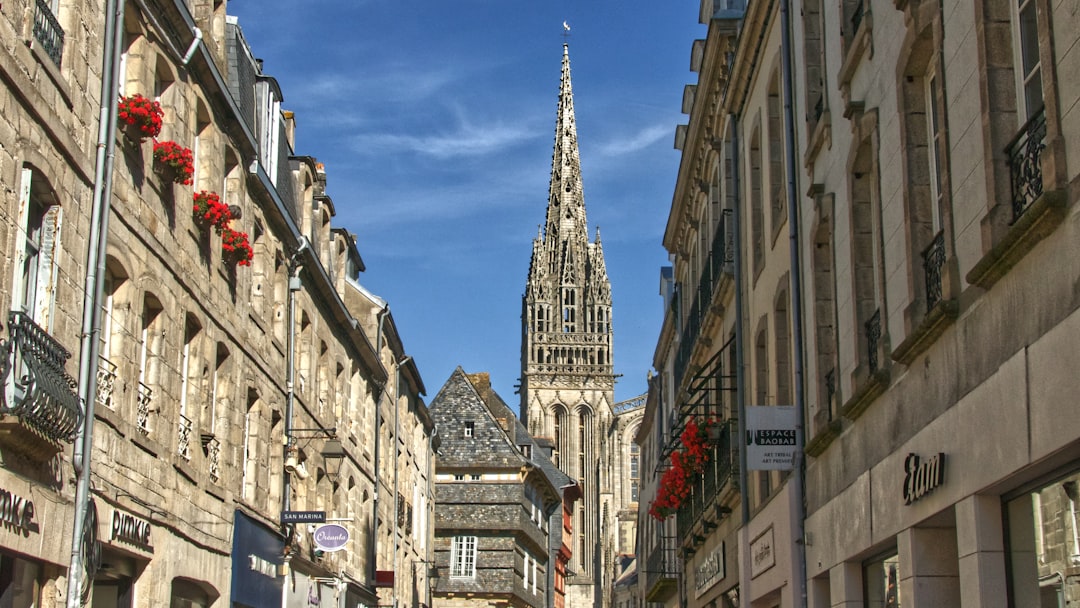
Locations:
(226, 389)
(920, 238)
(497, 499)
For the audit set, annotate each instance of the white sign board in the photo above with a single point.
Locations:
(770, 437)
(762, 556)
(709, 571)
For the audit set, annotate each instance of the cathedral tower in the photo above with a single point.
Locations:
(567, 377)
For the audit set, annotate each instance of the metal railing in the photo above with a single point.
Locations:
(106, 382)
(1025, 168)
(183, 444)
(662, 563)
(721, 254)
(213, 459)
(142, 411)
(44, 396)
(933, 261)
(705, 486)
(48, 33)
(873, 338)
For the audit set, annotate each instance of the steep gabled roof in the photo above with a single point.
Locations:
(458, 403)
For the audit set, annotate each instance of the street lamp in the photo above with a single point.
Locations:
(333, 453)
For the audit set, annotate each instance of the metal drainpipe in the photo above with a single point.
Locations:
(740, 360)
(799, 516)
(89, 346)
(397, 457)
(290, 372)
(374, 557)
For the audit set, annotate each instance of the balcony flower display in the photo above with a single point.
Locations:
(140, 116)
(235, 247)
(174, 162)
(686, 463)
(209, 211)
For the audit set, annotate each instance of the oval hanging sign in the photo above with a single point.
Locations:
(331, 537)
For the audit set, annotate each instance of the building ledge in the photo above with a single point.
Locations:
(1038, 221)
(932, 325)
(875, 385)
(825, 436)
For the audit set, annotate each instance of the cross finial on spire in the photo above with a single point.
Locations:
(565, 32)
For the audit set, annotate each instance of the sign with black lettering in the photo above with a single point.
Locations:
(16, 512)
(770, 438)
(922, 476)
(132, 530)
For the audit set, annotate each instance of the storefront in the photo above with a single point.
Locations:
(34, 541)
(127, 545)
(257, 560)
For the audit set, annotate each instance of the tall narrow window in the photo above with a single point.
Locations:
(935, 143)
(463, 557)
(757, 215)
(635, 453)
(35, 280)
(1029, 74)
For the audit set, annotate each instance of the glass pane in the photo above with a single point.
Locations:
(1029, 37)
(1044, 542)
(881, 578)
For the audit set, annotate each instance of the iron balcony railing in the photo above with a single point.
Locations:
(873, 337)
(142, 414)
(1025, 168)
(44, 394)
(662, 565)
(705, 486)
(933, 261)
(720, 256)
(183, 445)
(48, 33)
(106, 382)
(213, 459)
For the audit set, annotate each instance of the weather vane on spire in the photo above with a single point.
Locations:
(565, 32)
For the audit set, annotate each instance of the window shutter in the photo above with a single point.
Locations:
(48, 267)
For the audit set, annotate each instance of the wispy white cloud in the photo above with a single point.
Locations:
(635, 142)
(465, 141)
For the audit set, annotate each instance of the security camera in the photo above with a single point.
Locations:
(301, 471)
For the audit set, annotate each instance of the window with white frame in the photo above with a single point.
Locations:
(463, 557)
(34, 283)
(1026, 50)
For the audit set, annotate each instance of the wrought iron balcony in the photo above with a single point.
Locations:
(705, 487)
(48, 33)
(933, 261)
(183, 445)
(721, 254)
(213, 459)
(142, 413)
(1025, 154)
(106, 382)
(44, 396)
(873, 337)
(662, 568)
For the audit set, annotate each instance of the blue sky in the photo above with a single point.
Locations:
(436, 121)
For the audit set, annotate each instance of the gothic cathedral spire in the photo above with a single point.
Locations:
(567, 376)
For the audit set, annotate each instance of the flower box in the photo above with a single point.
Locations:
(235, 248)
(208, 211)
(140, 117)
(174, 162)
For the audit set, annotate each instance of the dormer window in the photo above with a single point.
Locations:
(470, 427)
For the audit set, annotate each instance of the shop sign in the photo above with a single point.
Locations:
(303, 517)
(711, 570)
(922, 476)
(262, 566)
(130, 529)
(770, 438)
(331, 537)
(17, 512)
(762, 556)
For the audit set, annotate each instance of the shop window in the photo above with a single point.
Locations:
(20, 583)
(881, 582)
(1043, 542)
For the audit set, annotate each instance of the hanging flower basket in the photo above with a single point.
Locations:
(140, 117)
(208, 211)
(173, 162)
(235, 248)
